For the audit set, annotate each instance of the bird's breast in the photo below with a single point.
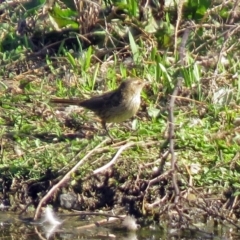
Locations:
(126, 109)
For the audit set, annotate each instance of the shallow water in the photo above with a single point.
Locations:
(11, 227)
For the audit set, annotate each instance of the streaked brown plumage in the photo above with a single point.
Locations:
(114, 106)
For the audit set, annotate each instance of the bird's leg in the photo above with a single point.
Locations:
(104, 125)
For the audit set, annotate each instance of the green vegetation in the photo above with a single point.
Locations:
(67, 51)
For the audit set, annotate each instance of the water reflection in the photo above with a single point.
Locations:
(13, 228)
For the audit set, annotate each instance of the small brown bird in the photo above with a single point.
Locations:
(114, 106)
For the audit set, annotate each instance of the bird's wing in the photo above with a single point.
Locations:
(107, 100)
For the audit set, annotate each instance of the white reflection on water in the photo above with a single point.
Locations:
(53, 222)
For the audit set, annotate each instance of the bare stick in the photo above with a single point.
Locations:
(171, 132)
(102, 222)
(179, 18)
(65, 178)
(171, 137)
(120, 150)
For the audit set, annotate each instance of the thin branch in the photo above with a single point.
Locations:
(66, 178)
(171, 131)
(101, 222)
(120, 150)
(171, 137)
(179, 17)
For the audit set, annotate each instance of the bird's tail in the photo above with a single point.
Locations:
(66, 101)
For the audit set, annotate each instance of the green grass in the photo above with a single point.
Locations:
(36, 136)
